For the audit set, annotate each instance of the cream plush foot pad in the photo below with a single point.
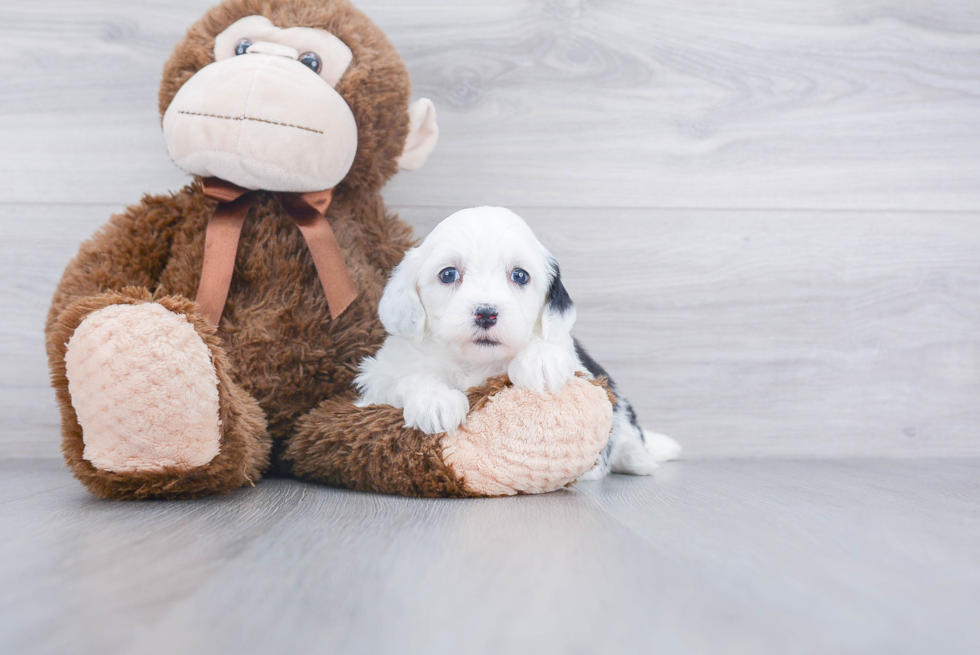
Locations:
(144, 388)
(524, 442)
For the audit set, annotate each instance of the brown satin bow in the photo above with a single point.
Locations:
(308, 211)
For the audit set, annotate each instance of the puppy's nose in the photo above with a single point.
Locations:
(486, 316)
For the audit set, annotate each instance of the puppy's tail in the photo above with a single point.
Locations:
(661, 447)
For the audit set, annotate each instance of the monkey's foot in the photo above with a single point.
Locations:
(524, 442)
(148, 406)
(144, 388)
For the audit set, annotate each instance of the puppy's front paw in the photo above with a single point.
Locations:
(436, 410)
(542, 367)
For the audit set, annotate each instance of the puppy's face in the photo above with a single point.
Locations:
(480, 284)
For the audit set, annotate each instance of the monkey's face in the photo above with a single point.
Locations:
(267, 113)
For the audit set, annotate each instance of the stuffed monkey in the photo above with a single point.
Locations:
(205, 338)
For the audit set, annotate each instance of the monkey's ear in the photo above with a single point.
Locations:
(422, 135)
(558, 315)
(400, 309)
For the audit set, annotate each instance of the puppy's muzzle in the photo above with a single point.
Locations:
(485, 316)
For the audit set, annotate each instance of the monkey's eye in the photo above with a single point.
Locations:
(312, 61)
(520, 276)
(448, 275)
(242, 47)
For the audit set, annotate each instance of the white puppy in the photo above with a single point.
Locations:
(481, 296)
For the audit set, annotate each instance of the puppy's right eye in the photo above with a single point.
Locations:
(242, 47)
(448, 275)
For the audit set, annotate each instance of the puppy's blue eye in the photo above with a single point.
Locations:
(448, 275)
(242, 47)
(520, 276)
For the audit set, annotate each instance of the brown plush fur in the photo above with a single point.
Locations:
(370, 449)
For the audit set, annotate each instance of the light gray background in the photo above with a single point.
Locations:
(768, 213)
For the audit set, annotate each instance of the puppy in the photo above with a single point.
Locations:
(481, 296)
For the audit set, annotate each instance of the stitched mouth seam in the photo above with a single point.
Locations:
(249, 118)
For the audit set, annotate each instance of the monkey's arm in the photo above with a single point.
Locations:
(520, 442)
(130, 250)
(173, 452)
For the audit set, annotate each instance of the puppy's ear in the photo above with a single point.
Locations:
(558, 315)
(400, 309)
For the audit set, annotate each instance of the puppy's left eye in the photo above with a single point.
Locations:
(448, 275)
(520, 276)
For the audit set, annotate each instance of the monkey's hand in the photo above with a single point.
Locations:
(514, 441)
(519, 441)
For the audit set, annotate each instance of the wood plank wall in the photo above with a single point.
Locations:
(769, 213)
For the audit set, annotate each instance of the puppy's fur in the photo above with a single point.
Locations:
(481, 296)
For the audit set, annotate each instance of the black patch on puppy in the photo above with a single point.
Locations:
(558, 299)
(596, 369)
(631, 415)
(591, 365)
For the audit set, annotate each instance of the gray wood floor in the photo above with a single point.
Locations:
(769, 216)
(710, 556)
